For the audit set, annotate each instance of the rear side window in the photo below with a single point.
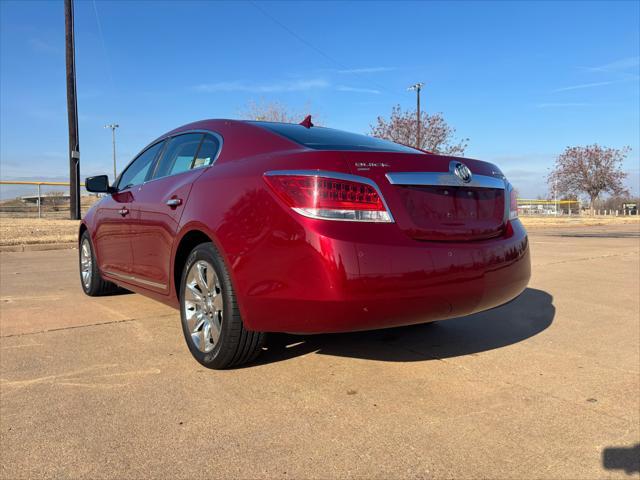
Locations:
(207, 153)
(137, 171)
(320, 138)
(179, 155)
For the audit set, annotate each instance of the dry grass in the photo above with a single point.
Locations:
(26, 231)
(577, 221)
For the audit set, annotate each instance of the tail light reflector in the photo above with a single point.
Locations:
(323, 196)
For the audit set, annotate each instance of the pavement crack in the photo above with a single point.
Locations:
(87, 378)
(22, 346)
(51, 378)
(71, 327)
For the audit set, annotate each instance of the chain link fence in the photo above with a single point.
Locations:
(529, 207)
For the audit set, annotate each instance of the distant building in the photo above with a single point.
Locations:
(47, 199)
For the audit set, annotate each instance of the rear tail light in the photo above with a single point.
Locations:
(330, 196)
(513, 202)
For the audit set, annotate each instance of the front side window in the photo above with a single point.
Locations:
(137, 171)
(179, 154)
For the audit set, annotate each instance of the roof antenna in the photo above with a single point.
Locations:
(306, 123)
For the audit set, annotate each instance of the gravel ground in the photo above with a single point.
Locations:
(575, 221)
(27, 231)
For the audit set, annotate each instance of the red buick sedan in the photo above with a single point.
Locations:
(255, 227)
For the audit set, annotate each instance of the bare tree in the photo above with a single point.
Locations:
(436, 135)
(616, 202)
(56, 199)
(592, 170)
(273, 112)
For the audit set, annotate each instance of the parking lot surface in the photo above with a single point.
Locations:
(547, 386)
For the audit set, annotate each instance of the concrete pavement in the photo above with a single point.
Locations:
(545, 387)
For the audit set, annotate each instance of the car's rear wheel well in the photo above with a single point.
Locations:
(190, 241)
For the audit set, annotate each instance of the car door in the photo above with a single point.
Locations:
(159, 203)
(112, 236)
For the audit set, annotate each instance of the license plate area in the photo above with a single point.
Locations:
(445, 211)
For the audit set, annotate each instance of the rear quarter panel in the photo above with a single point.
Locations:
(254, 232)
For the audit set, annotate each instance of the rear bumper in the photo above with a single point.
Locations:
(333, 285)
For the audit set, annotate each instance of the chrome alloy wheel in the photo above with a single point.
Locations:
(203, 305)
(86, 263)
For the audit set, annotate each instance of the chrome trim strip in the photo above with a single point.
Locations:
(131, 278)
(444, 179)
(338, 176)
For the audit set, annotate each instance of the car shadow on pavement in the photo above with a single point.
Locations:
(526, 316)
(118, 291)
(622, 458)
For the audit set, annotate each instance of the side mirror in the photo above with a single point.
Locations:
(98, 184)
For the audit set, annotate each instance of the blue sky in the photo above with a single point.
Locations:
(521, 80)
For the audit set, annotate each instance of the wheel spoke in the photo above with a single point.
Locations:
(200, 321)
(217, 303)
(198, 338)
(202, 271)
(197, 296)
(191, 316)
(206, 335)
(215, 284)
(216, 327)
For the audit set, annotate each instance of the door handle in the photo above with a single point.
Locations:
(123, 211)
(174, 202)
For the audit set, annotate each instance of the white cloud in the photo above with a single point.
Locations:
(236, 86)
(622, 64)
(562, 105)
(40, 45)
(44, 113)
(584, 85)
(366, 70)
(344, 88)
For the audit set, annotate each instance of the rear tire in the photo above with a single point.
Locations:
(92, 282)
(211, 321)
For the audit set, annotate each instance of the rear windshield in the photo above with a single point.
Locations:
(321, 138)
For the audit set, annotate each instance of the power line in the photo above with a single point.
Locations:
(309, 44)
(296, 36)
(104, 47)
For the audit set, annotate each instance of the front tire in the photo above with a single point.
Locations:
(211, 321)
(92, 282)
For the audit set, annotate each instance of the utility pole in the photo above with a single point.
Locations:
(72, 114)
(417, 87)
(113, 127)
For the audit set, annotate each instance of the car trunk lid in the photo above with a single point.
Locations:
(429, 200)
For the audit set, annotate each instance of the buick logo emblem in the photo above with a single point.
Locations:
(462, 172)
